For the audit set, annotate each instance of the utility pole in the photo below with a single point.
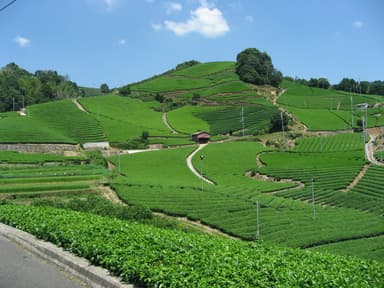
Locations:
(119, 163)
(257, 220)
(201, 172)
(351, 112)
(282, 125)
(242, 119)
(313, 198)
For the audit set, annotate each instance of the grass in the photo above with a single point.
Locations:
(153, 168)
(33, 175)
(320, 119)
(49, 123)
(230, 204)
(342, 142)
(17, 157)
(371, 248)
(331, 108)
(125, 118)
(184, 119)
(227, 119)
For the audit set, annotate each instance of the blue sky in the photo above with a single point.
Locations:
(123, 41)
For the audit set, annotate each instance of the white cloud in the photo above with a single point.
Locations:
(157, 27)
(173, 7)
(249, 19)
(22, 41)
(122, 42)
(206, 20)
(105, 5)
(358, 24)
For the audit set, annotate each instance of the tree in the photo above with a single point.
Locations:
(377, 87)
(159, 98)
(195, 98)
(125, 90)
(256, 67)
(187, 64)
(276, 123)
(104, 88)
(347, 84)
(323, 83)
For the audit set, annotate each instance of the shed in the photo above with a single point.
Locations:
(362, 106)
(201, 137)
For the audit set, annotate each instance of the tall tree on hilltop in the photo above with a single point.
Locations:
(256, 67)
(104, 88)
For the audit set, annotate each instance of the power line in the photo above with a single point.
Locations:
(7, 5)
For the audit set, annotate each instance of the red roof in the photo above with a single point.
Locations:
(203, 136)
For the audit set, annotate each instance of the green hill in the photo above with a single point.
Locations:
(52, 122)
(326, 109)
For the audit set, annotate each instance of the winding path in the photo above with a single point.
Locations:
(369, 151)
(166, 123)
(192, 168)
(79, 106)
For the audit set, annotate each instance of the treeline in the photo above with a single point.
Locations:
(19, 88)
(346, 84)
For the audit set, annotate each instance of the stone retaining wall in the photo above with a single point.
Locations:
(39, 148)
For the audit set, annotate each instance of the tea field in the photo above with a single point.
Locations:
(321, 109)
(52, 122)
(156, 257)
(317, 195)
(230, 204)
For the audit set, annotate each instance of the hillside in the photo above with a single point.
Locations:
(52, 122)
(303, 188)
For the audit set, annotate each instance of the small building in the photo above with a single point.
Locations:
(201, 137)
(362, 106)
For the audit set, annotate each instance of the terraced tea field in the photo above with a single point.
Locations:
(321, 109)
(53, 122)
(37, 175)
(125, 118)
(230, 204)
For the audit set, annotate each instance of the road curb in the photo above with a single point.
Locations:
(79, 267)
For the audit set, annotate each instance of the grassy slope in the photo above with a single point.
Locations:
(217, 84)
(322, 109)
(230, 204)
(124, 118)
(53, 122)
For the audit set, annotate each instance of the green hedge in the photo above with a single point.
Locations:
(154, 257)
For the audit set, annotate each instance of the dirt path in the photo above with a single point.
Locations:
(259, 163)
(166, 123)
(357, 179)
(263, 177)
(299, 126)
(197, 225)
(108, 193)
(78, 105)
(192, 168)
(314, 245)
(370, 149)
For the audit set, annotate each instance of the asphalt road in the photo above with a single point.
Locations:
(20, 268)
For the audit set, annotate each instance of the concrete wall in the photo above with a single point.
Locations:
(96, 145)
(39, 148)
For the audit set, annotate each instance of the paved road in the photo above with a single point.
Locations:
(192, 168)
(20, 268)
